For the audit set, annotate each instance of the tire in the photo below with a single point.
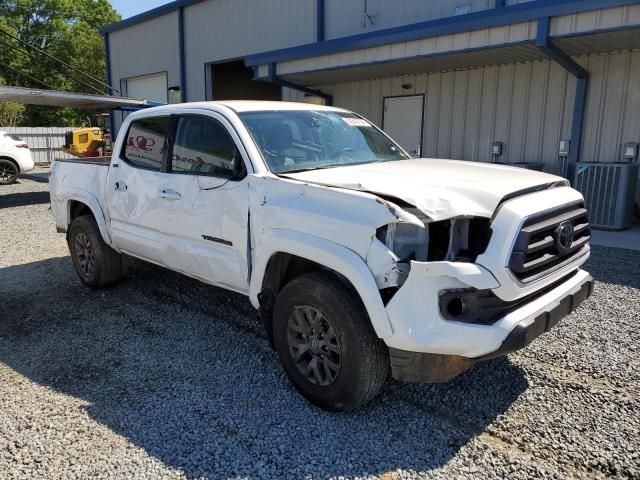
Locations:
(315, 315)
(97, 264)
(8, 172)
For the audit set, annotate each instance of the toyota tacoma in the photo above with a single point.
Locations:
(360, 259)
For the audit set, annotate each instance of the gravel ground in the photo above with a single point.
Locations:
(162, 376)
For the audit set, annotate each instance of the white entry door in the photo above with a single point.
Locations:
(402, 121)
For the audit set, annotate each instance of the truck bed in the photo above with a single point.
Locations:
(77, 178)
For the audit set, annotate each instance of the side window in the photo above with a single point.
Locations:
(145, 142)
(202, 146)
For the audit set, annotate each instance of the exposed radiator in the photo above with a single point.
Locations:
(609, 191)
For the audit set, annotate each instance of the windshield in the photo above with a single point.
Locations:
(294, 140)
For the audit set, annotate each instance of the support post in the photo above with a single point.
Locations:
(551, 51)
(183, 73)
(107, 63)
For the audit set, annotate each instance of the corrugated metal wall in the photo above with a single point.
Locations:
(350, 17)
(149, 47)
(528, 106)
(484, 37)
(230, 29)
(596, 20)
(45, 143)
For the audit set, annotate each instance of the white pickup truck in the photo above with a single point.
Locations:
(358, 257)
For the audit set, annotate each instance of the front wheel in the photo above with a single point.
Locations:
(8, 172)
(97, 264)
(326, 343)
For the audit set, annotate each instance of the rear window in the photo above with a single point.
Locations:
(14, 137)
(144, 146)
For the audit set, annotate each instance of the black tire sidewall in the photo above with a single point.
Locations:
(15, 168)
(350, 323)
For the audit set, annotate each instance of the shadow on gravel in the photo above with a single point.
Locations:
(36, 177)
(611, 265)
(23, 198)
(184, 371)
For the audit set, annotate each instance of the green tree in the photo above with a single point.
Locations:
(11, 114)
(65, 29)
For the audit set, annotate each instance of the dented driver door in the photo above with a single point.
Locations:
(204, 206)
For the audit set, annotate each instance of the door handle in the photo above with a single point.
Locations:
(120, 187)
(169, 194)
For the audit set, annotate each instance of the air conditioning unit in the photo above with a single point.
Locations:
(609, 190)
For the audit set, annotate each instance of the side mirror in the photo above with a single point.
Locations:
(239, 168)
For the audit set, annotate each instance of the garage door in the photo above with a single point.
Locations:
(149, 87)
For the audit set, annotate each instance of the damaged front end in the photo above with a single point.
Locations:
(415, 238)
(446, 308)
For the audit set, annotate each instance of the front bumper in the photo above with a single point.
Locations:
(433, 367)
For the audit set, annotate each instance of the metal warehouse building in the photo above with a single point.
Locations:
(515, 81)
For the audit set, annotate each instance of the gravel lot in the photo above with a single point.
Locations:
(162, 376)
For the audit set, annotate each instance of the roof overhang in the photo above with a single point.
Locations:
(54, 98)
(497, 17)
(602, 41)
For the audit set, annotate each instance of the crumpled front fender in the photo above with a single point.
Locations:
(329, 254)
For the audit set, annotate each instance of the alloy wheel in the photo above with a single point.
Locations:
(84, 254)
(8, 172)
(313, 345)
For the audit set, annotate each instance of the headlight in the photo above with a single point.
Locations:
(454, 240)
(406, 240)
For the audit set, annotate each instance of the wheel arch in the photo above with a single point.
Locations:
(82, 203)
(286, 254)
(12, 160)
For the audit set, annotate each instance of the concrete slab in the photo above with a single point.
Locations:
(625, 239)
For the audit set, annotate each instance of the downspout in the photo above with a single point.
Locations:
(320, 21)
(273, 78)
(545, 44)
(183, 73)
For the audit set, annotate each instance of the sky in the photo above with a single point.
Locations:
(129, 8)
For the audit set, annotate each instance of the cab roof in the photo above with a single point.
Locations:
(247, 106)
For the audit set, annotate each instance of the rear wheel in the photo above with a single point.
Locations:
(97, 264)
(326, 343)
(8, 172)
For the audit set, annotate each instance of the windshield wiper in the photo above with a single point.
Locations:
(299, 170)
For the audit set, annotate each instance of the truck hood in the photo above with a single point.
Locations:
(440, 189)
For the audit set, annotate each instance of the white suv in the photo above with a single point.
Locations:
(15, 158)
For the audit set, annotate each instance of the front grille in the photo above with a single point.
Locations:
(545, 244)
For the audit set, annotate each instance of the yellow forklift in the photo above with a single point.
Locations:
(90, 142)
